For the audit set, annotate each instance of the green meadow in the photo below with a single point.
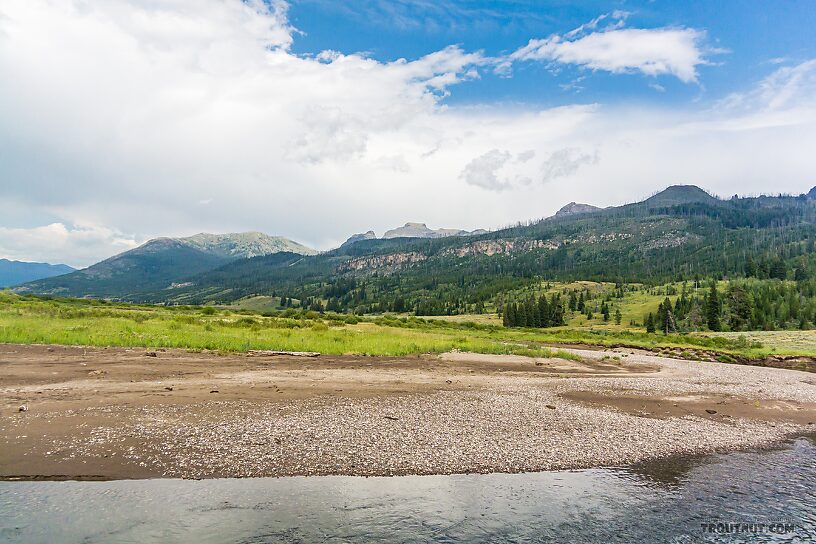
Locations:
(28, 320)
(34, 320)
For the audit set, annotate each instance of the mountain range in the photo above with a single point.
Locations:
(682, 232)
(412, 230)
(17, 272)
(162, 264)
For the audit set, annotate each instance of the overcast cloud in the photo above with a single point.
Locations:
(124, 120)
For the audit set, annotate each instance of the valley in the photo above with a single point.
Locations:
(680, 325)
(759, 251)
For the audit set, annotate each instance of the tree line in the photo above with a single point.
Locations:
(539, 313)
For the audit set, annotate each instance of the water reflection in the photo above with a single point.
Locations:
(652, 502)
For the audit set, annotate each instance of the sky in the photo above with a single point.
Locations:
(126, 120)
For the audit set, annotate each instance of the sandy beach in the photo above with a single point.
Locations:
(95, 413)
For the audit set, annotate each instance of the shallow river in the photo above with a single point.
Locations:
(759, 497)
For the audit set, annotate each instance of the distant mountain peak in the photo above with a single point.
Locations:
(354, 238)
(421, 230)
(812, 193)
(162, 262)
(16, 272)
(680, 194)
(574, 208)
(411, 229)
(244, 244)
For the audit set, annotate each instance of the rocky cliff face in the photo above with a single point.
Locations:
(393, 260)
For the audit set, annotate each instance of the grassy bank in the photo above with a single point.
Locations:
(29, 319)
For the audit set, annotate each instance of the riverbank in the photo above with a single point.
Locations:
(95, 413)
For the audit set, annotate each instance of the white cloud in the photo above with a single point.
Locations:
(57, 243)
(564, 163)
(483, 170)
(660, 51)
(525, 156)
(618, 18)
(131, 115)
(786, 87)
(498, 170)
(396, 163)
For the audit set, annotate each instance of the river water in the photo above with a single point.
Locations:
(767, 496)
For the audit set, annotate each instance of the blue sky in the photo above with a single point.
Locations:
(757, 36)
(125, 120)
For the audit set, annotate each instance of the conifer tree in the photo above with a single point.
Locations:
(544, 311)
(713, 308)
(650, 325)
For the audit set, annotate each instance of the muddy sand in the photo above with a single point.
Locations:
(94, 413)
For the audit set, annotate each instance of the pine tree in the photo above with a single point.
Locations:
(650, 325)
(800, 274)
(545, 311)
(750, 267)
(713, 308)
(740, 307)
(557, 310)
(618, 316)
(778, 269)
(531, 312)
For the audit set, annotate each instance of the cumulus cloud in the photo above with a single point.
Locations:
(482, 171)
(57, 243)
(659, 51)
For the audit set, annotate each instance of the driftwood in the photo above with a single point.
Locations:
(264, 352)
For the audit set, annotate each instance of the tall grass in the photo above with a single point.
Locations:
(28, 319)
(70, 322)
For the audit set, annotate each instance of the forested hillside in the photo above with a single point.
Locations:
(161, 265)
(680, 234)
(764, 244)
